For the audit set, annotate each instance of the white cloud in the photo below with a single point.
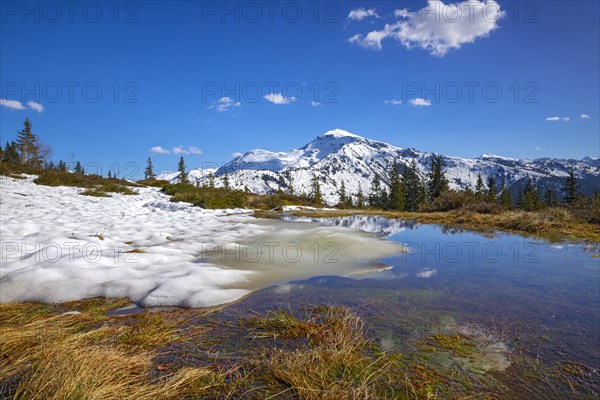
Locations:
(277, 98)
(194, 150)
(585, 116)
(225, 104)
(360, 13)
(566, 119)
(315, 103)
(393, 102)
(404, 13)
(438, 27)
(557, 118)
(179, 150)
(236, 155)
(537, 148)
(159, 150)
(373, 39)
(12, 104)
(176, 150)
(35, 106)
(419, 102)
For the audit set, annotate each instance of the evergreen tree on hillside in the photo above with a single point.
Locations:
(183, 178)
(530, 199)
(360, 198)
(491, 191)
(376, 195)
(550, 198)
(78, 168)
(396, 200)
(414, 191)
(315, 195)
(226, 181)
(437, 182)
(109, 175)
(11, 153)
(149, 171)
(505, 194)
(62, 166)
(32, 151)
(211, 180)
(479, 187)
(571, 188)
(345, 200)
(290, 182)
(26, 144)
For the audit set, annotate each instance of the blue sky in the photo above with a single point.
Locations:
(223, 77)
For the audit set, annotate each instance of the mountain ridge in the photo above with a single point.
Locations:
(338, 155)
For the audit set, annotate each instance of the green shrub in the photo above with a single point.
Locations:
(213, 198)
(9, 169)
(60, 178)
(451, 200)
(587, 209)
(153, 182)
(94, 193)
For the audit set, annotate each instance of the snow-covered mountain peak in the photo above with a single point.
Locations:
(490, 156)
(339, 133)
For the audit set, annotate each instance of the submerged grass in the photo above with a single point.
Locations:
(322, 352)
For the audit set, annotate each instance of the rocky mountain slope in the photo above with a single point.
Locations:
(339, 156)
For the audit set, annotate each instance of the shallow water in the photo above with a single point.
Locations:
(293, 250)
(537, 298)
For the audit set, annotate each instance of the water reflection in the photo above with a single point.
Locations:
(545, 297)
(379, 226)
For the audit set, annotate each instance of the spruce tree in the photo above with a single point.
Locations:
(211, 180)
(226, 181)
(315, 195)
(78, 168)
(109, 175)
(505, 194)
(414, 191)
(343, 196)
(26, 142)
(530, 197)
(520, 198)
(550, 198)
(360, 198)
(183, 178)
(11, 153)
(290, 182)
(375, 197)
(491, 191)
(479, 187)
(396, 201)
(437, 182)
(570, 189)
(149, 171)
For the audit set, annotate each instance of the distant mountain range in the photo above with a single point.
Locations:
(339, 155)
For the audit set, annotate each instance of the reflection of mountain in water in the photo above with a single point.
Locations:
(380, 226)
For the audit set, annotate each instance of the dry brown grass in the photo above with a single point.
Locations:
(87, 357)
(337, 362)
